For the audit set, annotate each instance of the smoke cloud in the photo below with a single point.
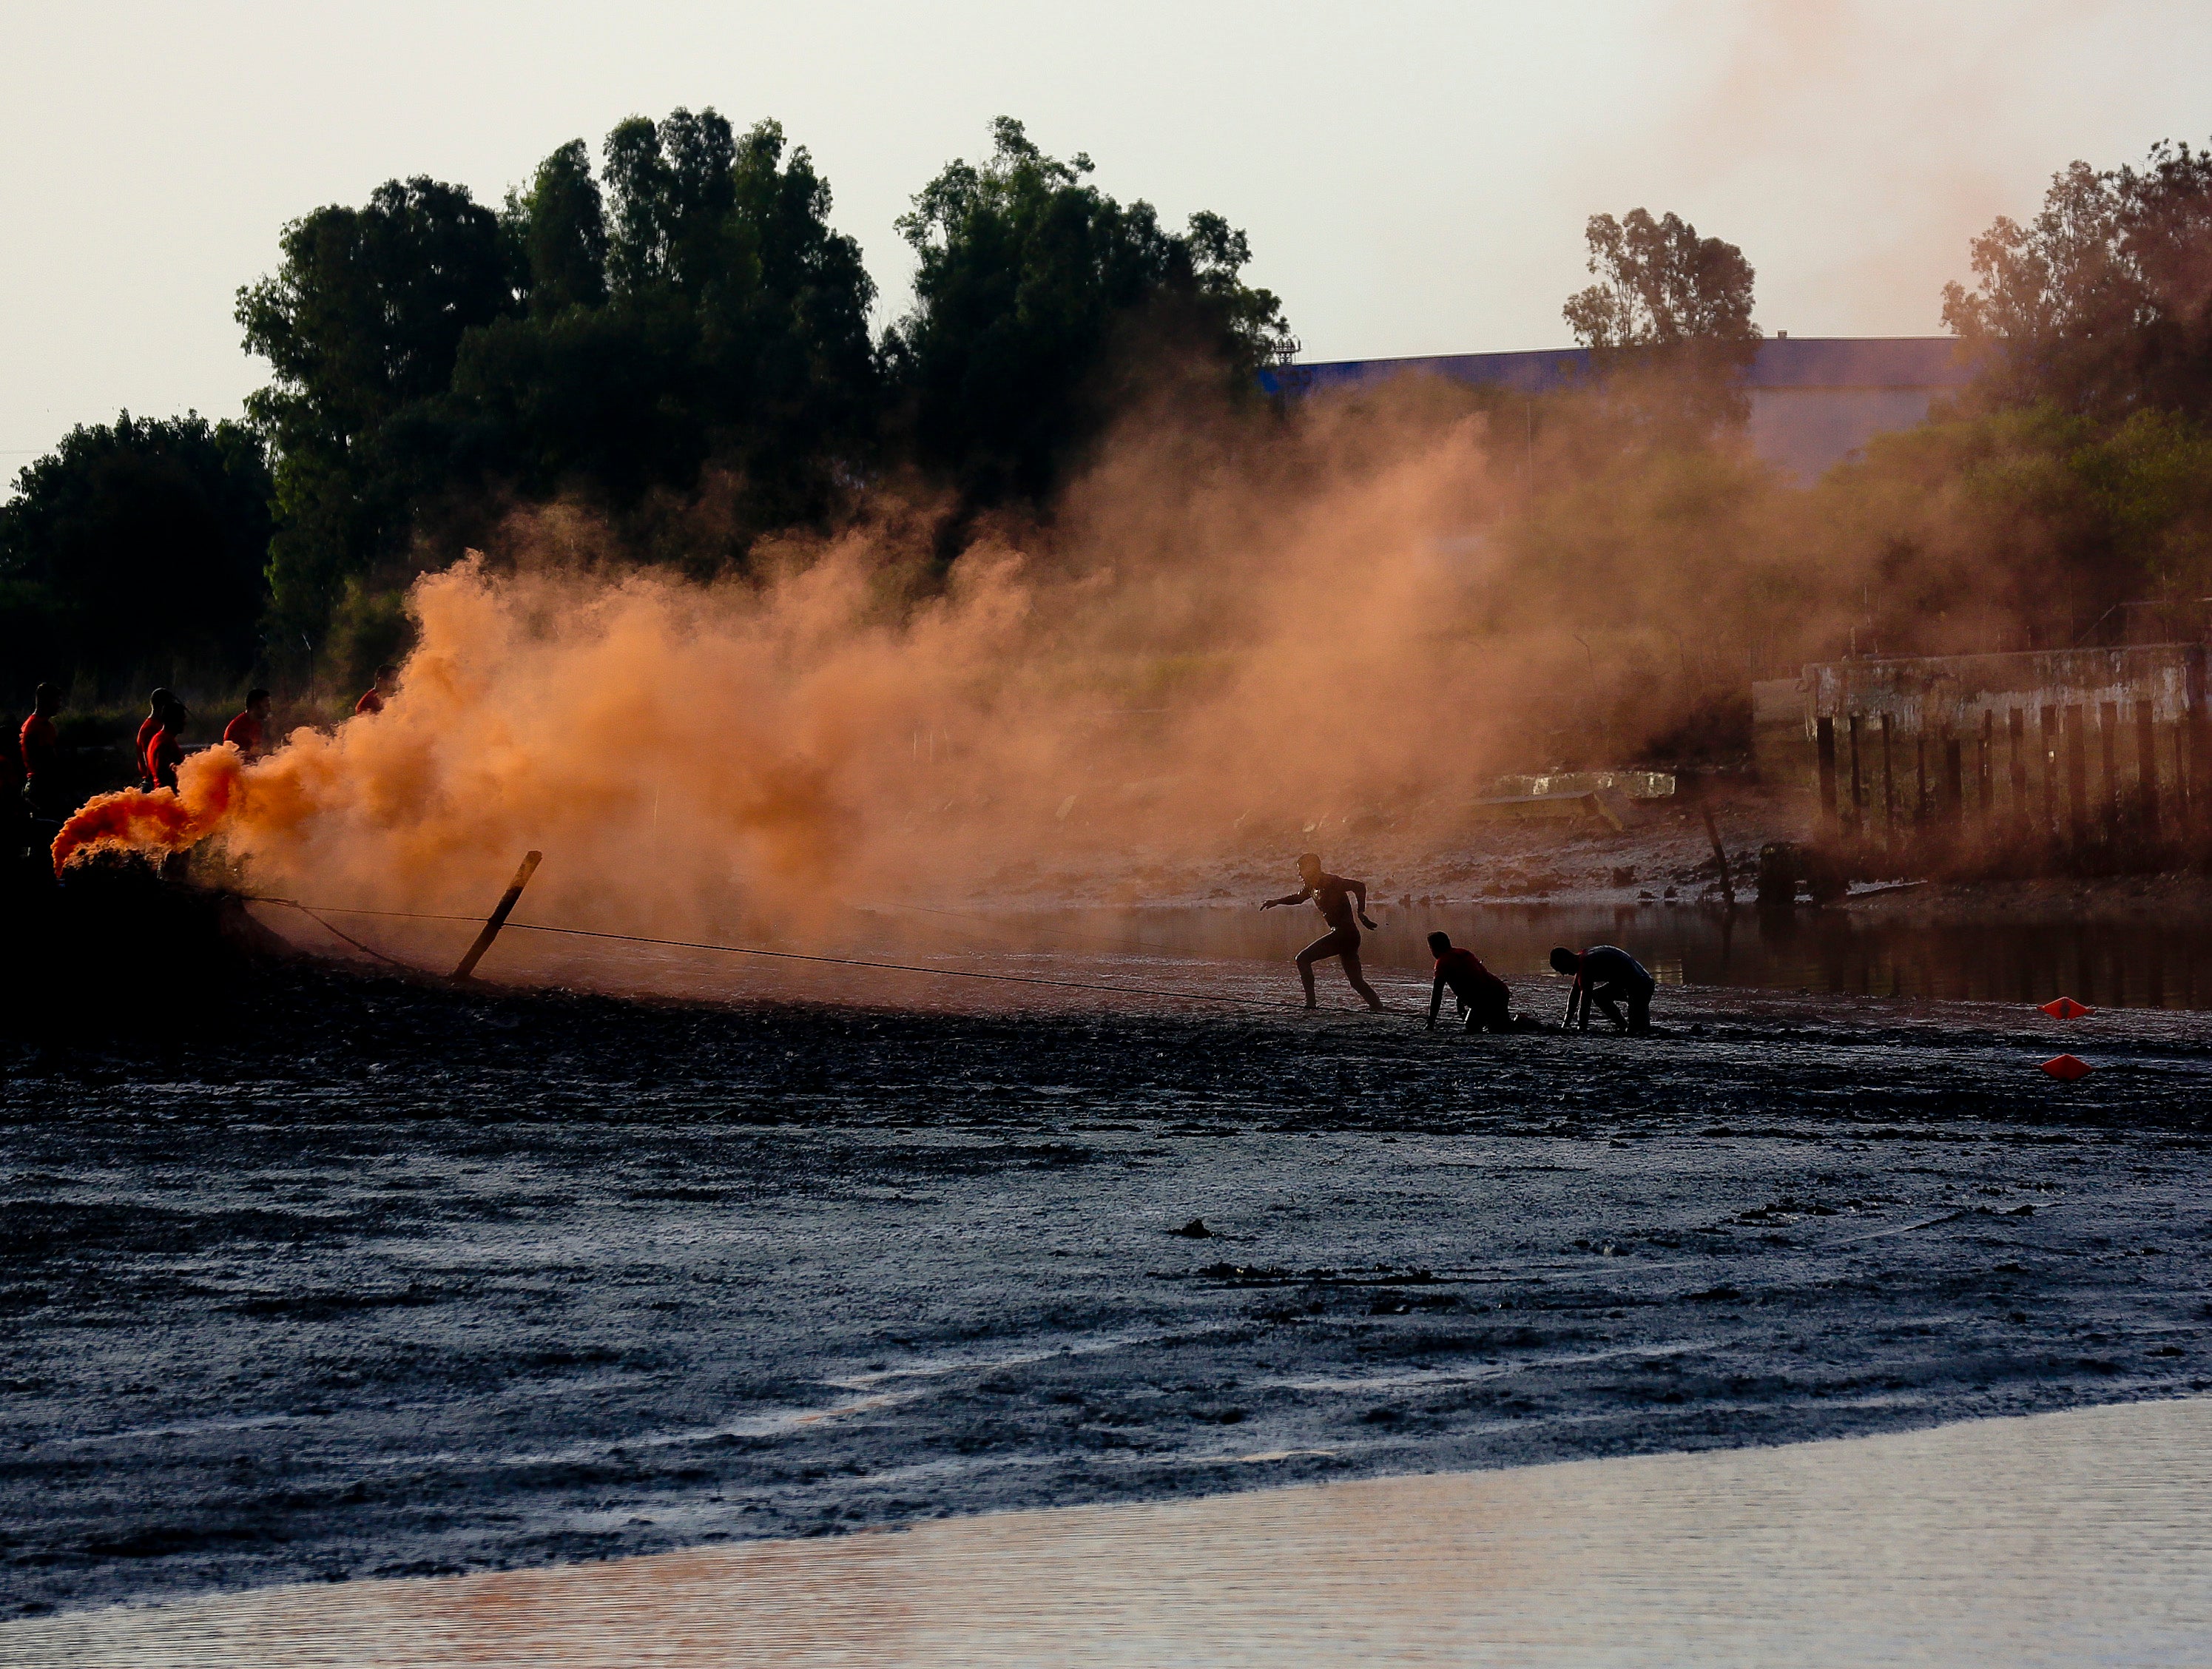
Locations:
(1278, 634)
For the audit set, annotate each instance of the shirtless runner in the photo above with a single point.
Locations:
(1332, 895)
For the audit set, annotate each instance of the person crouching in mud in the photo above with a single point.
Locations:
(1604, 976)
(1332, 895)
(1482, 996)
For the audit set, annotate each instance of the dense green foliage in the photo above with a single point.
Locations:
(1030, 280)
(690, 312)
(132, 547)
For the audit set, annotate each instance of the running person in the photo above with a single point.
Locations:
(1606, 975)
(1332, 895)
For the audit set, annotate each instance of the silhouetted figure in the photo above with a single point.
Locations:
(1482, 996)
(157, 704)
(1332, 895)
(41, 746)
(249, 732)
(166, 750)
(1608, 976)
(386, 687)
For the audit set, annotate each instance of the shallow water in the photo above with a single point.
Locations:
(2106, 964)
(1241, 955)
(2078, 1538)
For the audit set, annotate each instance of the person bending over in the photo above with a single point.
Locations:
(1483, 997)
(1332, 895)
(1608, 976)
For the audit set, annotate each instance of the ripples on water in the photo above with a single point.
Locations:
(2074, 1539)
(2106, 964)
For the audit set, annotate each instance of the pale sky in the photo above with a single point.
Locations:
(1414, 176)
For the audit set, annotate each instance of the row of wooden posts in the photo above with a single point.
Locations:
(2030, 770)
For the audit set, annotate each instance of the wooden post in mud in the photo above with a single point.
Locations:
(497, 919)
(1824, 746)
(1954, 787)
(1720, 852)
(2147, 768)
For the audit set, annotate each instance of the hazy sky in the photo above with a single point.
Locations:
(1414, 178)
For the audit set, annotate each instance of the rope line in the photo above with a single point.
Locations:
(777, 955)
(332, 928)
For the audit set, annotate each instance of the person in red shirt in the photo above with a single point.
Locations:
(1482, 995)
(249, 732)
(166, 750)
(42, 754)
(386, 687)
(157, 705)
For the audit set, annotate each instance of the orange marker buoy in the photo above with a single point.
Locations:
(2065, 1008)
(2066, 1068)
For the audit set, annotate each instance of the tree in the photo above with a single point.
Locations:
(1030, 279)
(733, 331)
(2102, 304)
(365, 317)
(1671, 312)
(561, 225)
(138, 544)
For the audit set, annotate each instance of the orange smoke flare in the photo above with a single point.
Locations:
(208, 786)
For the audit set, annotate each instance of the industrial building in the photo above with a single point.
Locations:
(1814, 400)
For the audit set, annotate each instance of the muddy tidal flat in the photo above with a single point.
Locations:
(379, 1279)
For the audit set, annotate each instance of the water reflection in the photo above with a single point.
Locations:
(2058, 1539)
(2106, 964)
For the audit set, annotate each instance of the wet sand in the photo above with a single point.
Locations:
(2069, 1540)
(379, 1279)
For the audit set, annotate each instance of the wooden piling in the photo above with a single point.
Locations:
(2077, 772)
(2147, 768)
(1954, 788)
(1888, 786)
(497, 919)
(1823, 741)
(2108, 741)
(1858, 780)
(2016, 732)
(2049, 719)
(1985, 767)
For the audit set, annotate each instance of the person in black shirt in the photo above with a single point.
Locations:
(1608, 976)
(1483, 997)
(1332, 895)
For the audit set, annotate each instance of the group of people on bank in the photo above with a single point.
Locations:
(47, 792)
(1605, 977)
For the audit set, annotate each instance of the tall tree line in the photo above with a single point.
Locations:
(616, 331)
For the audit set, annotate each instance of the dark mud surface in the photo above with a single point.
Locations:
(374, 1278)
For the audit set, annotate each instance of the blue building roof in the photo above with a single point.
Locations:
(1783, 362)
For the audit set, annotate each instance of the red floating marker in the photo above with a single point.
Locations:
(2067, 1068)
(2065, 1008)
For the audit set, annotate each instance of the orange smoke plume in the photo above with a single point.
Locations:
(208, 791)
